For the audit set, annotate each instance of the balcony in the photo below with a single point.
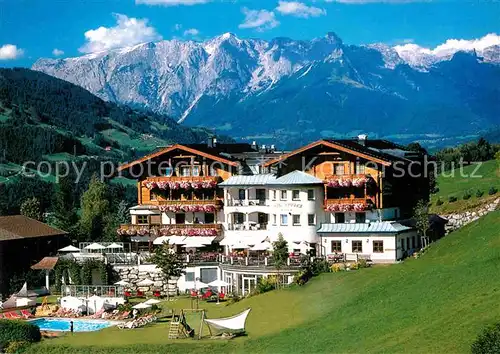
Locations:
(248, 226)
(348, 204)
(179, 179)
(170, 229)
(351, 180)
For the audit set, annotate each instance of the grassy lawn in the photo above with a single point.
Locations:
(143, 142)
(435, 304)
(456, 183)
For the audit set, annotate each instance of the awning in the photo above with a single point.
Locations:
(371, 227)
(172, 240)
(46, 263)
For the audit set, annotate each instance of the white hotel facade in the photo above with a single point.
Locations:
(347, 204)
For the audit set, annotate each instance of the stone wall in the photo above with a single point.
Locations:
(457, 220)
(135, 274)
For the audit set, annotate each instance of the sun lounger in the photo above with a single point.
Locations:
(26, 314)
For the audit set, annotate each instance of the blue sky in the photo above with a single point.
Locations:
(30, 29)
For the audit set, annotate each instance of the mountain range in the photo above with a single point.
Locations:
(289, 92)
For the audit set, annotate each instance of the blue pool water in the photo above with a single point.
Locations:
(62, 324)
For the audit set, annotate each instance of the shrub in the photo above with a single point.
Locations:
(16, 347)
(479, 193)
(354, 266)
(439, 202)
(466, 196)
(362, 263)
(492, 190)
(302, 277)
(18, 331)
(266, 284)
(337, 267)
(488, 341)
(319, 266)
(452, 199)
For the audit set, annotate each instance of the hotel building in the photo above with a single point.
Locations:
(224, 204)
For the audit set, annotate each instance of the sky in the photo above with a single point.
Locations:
(30, 29)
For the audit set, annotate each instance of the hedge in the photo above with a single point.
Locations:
(18, 331)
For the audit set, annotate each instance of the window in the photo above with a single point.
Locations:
(402, 243)
(209, 218)
(295, 195)
(357, 246)
(283, 195)
(360, 168)
(310, 194)
(180, 218)
(153, 196)
(336, 246)
(296, 220)
(284, 219)
(407, 243)
(260, 194)
(273, 193)
(338, 169)
(311, 219)
(189, 276)
(378, 246)
(413, 242)
(196, 170)
(274, 219)
(169, 171)
(238, 218)
(241, 194)
(185, 171)
(360, 217)
(213, 171)
(142, 219)
(340, 218)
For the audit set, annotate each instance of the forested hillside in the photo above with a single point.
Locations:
(47, 119)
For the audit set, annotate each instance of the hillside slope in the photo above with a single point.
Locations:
(466, 181)
(435, 304)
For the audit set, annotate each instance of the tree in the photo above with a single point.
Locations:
(169, 262)
(32, 209)
(95, 210)
(122, 214)
(280, 255)
(65, 217)
(421, 216)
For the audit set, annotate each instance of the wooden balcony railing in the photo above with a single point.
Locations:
(348, 204)
(170, 229)
(183, 179)
(345, 176)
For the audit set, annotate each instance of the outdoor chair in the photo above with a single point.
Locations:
(156, 294)
(139, 293)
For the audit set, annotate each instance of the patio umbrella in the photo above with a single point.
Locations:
(200, 285)
(152, 302)
(69, 249)
(122, 283)
(218, 283)
(240, 245)
(145, 282)
(95, 246)
(263, 246)
(114, 246)
(142, 305)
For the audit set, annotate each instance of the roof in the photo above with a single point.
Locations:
(373, 227)
(197, 149)
(16, 227)
(381, 151)
(298, 178)
(46, 263)
(249, 180)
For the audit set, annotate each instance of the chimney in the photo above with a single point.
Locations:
(272, 148)
(212, 141)
(254, 145)
(362, 139)
(263, 148)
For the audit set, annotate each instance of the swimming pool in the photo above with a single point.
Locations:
(63, 324)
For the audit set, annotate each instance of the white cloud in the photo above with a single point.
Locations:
(171, 2)
(299, 9)
(177, 27)
(127, 32)
(191, 32)
(451, 46)
(260, 20)
(10, 52)
(375, 1)
(57, 52)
